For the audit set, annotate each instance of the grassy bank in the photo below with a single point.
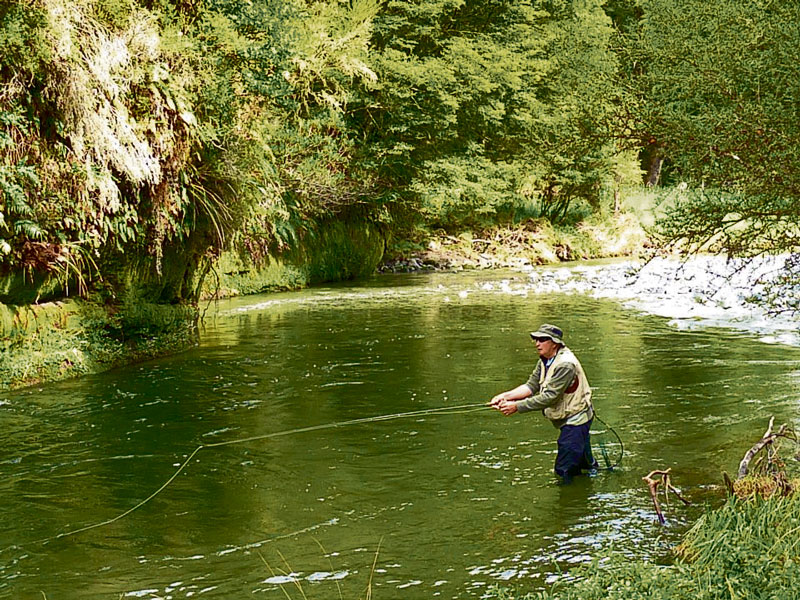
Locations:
(747, 549)
(59, 340)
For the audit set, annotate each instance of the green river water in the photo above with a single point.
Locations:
(440, 506)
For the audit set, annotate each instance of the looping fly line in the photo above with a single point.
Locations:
(449, 410)
(464, 408)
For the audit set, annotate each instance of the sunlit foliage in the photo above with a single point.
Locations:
(141, 138)
(484, 107)
(717, 86)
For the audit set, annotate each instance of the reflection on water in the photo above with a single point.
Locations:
(436, 505)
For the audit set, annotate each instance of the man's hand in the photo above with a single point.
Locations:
(495, 403)
(503, 404)
(507, 407)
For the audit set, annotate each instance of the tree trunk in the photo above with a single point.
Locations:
(654, 173)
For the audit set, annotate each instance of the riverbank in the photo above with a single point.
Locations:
(60, 340)
(346, 253)
(746, 549)
(532, 242)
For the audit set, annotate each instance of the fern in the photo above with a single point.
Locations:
(29, 229)
(12, 190)
(14, 119)
(27, 172)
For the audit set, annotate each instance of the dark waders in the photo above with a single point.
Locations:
(574, 451)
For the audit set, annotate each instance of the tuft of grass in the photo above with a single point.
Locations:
(763, 486)
(287, 571)
(372, 571)
(747, 549)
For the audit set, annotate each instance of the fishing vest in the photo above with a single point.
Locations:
(578, 395)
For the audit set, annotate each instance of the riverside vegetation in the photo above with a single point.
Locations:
(154, 152)
(747, 548)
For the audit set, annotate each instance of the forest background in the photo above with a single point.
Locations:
(152, 152)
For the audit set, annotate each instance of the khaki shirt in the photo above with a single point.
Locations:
(543, 397)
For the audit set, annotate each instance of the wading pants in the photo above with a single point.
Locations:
(574, 451)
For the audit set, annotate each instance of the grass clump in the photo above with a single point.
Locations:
(747, 549)
(764, 486)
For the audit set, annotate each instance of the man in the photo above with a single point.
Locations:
(558, 387)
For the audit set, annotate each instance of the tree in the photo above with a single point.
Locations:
(717, 86)
(483, 106)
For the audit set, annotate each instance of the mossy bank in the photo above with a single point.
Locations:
(58, 340)
(337, 251)
(62, 338)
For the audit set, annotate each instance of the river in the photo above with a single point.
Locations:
(440, 505)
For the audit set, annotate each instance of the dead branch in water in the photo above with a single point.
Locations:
(767, 441)
(664, 481)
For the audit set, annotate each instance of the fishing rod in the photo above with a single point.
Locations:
(445, 410)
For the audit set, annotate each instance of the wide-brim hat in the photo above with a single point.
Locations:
(548, 331)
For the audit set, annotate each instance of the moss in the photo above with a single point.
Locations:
(344, 251)
(22, 288)
(59, 340)
(339, 250)
(236, 275)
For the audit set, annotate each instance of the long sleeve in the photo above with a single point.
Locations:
(533, 380)
(544, 397)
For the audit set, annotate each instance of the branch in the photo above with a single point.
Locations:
(768, 438)
(652, 485)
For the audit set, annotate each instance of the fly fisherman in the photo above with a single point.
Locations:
(558, 387)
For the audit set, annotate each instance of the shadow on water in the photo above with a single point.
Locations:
(457, 502)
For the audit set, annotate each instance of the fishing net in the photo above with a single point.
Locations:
(606, 444)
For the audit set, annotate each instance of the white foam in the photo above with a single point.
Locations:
(704, 291)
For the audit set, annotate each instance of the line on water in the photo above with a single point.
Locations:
(464, 408)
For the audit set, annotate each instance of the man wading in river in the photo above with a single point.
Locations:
(558, 387)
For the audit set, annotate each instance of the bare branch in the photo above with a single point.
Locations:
(766, 440)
